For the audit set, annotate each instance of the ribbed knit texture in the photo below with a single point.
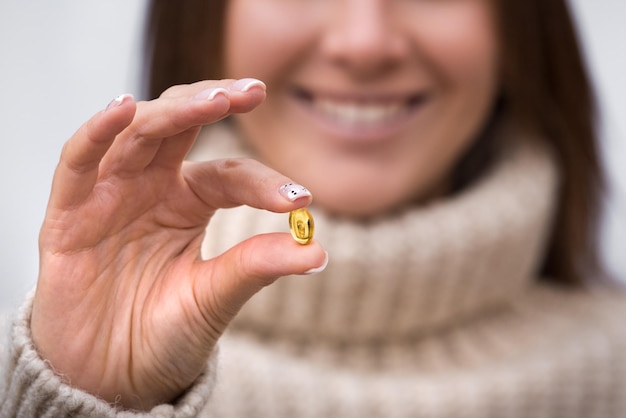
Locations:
(435, 312)
(550, 355)
(421, 269)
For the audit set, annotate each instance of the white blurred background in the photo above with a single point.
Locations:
(61, 61)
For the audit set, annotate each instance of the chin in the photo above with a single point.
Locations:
(357, 208)
(375, 202)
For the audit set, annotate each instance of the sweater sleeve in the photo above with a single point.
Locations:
(30, 388)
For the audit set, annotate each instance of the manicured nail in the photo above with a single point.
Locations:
(118, 101)
(293, 191)
(210, 94)
(245, 84)
(317, 269)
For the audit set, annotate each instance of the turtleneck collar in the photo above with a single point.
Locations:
(398, 277)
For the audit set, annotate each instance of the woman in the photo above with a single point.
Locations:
(451, 153)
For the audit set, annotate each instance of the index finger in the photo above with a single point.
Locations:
(242, 181)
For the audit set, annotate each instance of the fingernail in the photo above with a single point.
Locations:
(118, 101)
(293, 191)
(245, 84)
(317, 269)
(210, 94)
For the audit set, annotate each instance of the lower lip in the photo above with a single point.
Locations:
(364, 133)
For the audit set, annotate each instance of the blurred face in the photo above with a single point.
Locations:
(370, 102)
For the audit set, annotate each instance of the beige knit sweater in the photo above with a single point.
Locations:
(433, 312)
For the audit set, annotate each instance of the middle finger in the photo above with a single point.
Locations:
(164, 129)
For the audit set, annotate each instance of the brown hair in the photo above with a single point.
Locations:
(545, 91)
(183, 43)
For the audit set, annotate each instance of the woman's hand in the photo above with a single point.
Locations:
(125, 308)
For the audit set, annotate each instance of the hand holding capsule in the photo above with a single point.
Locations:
(125, 308)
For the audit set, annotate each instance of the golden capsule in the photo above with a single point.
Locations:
(301, 225)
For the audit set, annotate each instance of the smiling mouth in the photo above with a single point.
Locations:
(368, 112)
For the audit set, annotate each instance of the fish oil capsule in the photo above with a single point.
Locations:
(301, 225)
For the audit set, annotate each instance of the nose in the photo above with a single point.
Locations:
(363, 37)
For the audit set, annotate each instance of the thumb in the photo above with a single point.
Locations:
(231, 279)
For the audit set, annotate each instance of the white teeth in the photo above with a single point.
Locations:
(359, 113)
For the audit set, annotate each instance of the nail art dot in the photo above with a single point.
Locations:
(293, 191)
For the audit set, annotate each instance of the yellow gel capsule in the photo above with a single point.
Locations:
(301, 225)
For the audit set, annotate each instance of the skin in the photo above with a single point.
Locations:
(125, 307)
(355, 54)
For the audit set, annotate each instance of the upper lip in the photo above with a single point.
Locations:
(360, 97)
